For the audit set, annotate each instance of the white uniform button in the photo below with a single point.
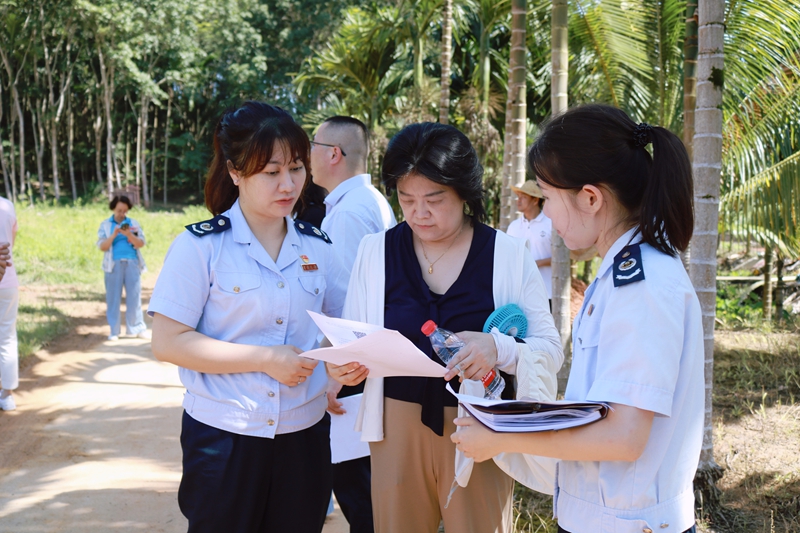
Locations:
(279, 321)
(236, 289)
(316, 291)
(647, 530)
(664, 525)
(271, 422)
(280, 285)
(271, 394)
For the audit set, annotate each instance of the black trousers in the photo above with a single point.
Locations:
(690, 530)
(351, 485)
(248, 484)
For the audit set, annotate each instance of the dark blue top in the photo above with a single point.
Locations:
(410, 303)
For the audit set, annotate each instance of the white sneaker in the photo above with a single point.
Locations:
(113, 337)
(8, 403)
(145, 334)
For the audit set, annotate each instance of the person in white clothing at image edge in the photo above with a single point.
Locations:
(9, 301)
(535, 227)
(354, 208)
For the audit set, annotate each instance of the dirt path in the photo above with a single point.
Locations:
(93, 445)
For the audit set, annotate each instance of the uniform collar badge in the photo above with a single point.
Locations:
(217, 224)
(304, 258)
(628, 266)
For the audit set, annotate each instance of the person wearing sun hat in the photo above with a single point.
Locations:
(535, 227)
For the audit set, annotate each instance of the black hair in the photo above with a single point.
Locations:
(340, 120)
(246, 137)
(600, 145)
(120, 198)
(440, 153)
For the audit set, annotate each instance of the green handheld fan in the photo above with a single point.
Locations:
(509, 320)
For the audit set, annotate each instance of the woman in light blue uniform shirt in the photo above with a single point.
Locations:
(120, 238)
(638, 339)
(230, 309)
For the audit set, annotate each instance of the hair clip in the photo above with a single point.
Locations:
(641, 135)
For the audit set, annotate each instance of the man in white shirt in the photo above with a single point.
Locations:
(535, 228)
(354, 208)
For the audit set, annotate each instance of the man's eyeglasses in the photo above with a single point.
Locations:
(330, 146)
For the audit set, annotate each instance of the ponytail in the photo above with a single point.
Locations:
(666, 217)
(656, 191)
(219, 190)
(244, 138)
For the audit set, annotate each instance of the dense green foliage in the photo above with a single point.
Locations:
(108, 93)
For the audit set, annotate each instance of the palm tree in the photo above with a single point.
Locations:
(447, 55)
(761, 117)
(562, 282)
(707, 166)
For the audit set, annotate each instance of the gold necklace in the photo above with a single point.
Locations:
(430, 265)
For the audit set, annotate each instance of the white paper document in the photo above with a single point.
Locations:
(345, 441)
(516, 416)
(385, 352)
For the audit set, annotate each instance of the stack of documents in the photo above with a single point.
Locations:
(516, 416)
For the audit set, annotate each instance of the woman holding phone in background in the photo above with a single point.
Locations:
(121, 238)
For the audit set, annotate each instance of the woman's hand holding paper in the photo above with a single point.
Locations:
(350, 374)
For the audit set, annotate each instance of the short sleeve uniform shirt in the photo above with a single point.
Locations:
(226, 286)
(639, 344)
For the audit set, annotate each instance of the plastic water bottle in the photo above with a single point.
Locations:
(446, 344)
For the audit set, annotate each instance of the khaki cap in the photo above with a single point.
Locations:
(530, 188)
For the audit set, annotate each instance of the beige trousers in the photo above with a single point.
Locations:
(412, 471)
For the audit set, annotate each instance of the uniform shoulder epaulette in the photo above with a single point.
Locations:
(309, 229)
(628, 266)
(218, 224)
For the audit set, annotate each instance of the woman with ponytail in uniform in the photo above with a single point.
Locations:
(638, 339)
(229, 309)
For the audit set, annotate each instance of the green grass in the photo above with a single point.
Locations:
(57, 244)
(37, 325)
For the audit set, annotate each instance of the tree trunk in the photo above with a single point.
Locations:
(166, 143)
(507, 205)
(706, 167)
(12, 160)
(689, 90)
(766, 295)
(447, 54)
(38, 144)
(689, 75)
(98, 146)
(517, 78)
(104, 78)
(13, 80)
(779, 287)
(7, 178)
(560, 262)
(70, 147)
(153, 152)
(419, 73)
(142, 150)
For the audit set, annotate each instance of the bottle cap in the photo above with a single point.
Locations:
(428, 327)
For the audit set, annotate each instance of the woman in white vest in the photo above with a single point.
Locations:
(443, 264)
